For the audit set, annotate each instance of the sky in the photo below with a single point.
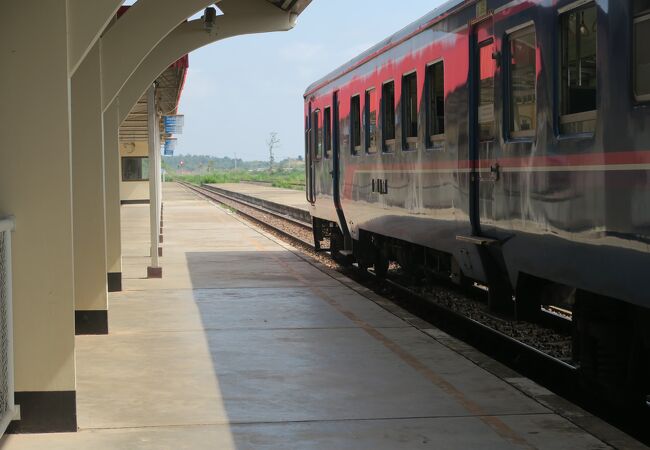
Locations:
(241, 89)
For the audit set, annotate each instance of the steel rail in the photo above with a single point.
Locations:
(219, 198)
(288, 218)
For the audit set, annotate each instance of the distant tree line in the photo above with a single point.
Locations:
(204, 164)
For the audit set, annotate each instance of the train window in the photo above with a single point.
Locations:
(486, 91)
(388, 114)
(371, 120)
(435, 81)
(135, 168)
(318, 134)
(642, 56)
(327, 131)
(410, 111)
(578, 67)
(355, 124)
(523, 76)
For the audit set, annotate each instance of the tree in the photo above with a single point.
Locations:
(272, 143)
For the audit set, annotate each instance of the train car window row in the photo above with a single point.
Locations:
(435, 101)
(388, 116)
(642, 50)
(355, 124)
(578, 92)
(410, 111)
(327, 131)
(522, 82)
(370, 115)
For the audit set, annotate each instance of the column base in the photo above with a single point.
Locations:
(154, 272)
(45, 412)
(90, 322)
(134, 202)
(114, 282)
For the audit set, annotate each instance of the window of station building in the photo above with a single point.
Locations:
(522, 82)
(327, 131)
(388, 114)
(318, 135)
(642, 50)
(579, 77)
(355, 124)
(410, 110)
(371, 120)
(135, 168)
(435, 111)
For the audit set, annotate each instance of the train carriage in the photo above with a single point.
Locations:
(507, 143)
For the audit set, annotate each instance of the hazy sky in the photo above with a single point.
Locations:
(241, 89)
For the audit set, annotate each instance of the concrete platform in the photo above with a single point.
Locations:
(245, 345)
(288, 197)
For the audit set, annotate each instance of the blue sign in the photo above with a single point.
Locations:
(174, 124)
(170, 146)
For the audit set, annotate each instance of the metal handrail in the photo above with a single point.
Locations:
(7, 225)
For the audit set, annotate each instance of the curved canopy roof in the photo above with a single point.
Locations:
(169, 85)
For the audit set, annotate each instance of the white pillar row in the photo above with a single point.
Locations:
(112, 195)
(240, 17)
(36, 187)
(91, 297)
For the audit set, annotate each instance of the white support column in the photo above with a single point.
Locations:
(159, 181)
(36, 187)
(154, 271)
(91, 297)
(112, 178)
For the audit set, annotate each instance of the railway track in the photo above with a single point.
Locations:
(297, 231)
(554, 373)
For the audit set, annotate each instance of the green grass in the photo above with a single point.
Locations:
(293, 179)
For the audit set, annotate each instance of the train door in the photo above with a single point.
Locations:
(309, 157)
(336, 170)
(484, 137)
(485, 149)
(336, 154)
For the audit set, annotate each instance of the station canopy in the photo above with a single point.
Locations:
(169, 85)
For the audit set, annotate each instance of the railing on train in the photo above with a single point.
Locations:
(7, 407)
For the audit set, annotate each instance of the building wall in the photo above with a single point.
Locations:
(133, 191)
